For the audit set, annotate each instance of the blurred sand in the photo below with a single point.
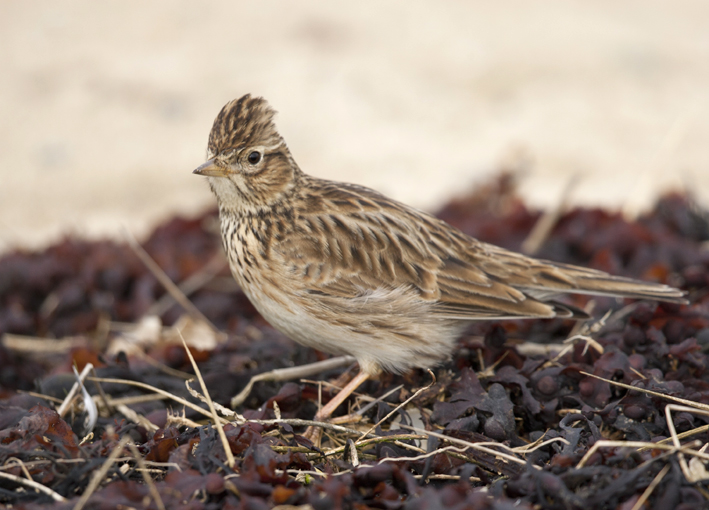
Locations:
(105, 107)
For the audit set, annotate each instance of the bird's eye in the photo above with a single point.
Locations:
(254, 157)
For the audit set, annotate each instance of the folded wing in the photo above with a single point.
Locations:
(355, 242)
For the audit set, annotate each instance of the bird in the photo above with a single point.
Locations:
(347, 270)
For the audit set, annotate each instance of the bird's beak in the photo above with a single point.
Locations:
(210, 169)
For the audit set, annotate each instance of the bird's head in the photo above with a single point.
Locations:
(249, 166)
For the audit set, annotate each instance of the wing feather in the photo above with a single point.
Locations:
(358, 242)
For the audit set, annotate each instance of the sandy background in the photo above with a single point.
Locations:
(105, 107)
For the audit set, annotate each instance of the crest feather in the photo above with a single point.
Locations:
(244, 122)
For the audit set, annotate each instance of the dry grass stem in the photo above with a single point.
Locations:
(42, 346)
(548, 220)
(522, 450)
(474, 446)
(89, 405)
(446, 477)
(166, 282)
(223, 410)
(378, 399)
(48, 398)
(70, 396)
(164, 393)
(190, 285)
(655, 482)
(606, 443)
(445, 449)
(534, 349)
(161, 366)
(347, 418)
(136, 418)
(350, 453)
(675, 439)
(102, 397)
(148, 481)
(34, 485)
(14, 461)
(36, 463)
(396, 439)
(287, 374)
(590, 342)
(231, 462)
(374, 440)
(308, 423)
(412, 397)
(683, 435)
(690, 403)
(101, 473)
(410, 446)
(135, 399)
(180, 420)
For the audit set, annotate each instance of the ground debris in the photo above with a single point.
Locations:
(582, 426)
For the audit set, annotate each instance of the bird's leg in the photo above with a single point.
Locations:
(338, 399)
(314, 433)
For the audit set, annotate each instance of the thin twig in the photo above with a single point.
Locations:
(148, 387)
(690, 403)
(133, 416)
(231, 462)
(102, 395)
(474, 446)
(135, 399)
(189, 285)
(396, 439)
(180, 420)
(683, 435)
(70, 396)
(187, 403)
(89, 405)
(161, 366)
(48, 398)
(424, 455)
(548, 220)
(36, 486)
(378, 399)
(223, 410)
(148, 481)
(534, 349)
(412, 397)
(42, 346)
(166, 282)
(604, 443)
(529, 448)
(36, 463)
(308, 423)
(374, 440)
(287, 374)
(411, 447)
(14, 461)
(98, 475)
(675, 438)
(655, 482)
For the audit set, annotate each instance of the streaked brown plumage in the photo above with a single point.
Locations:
(346, 270)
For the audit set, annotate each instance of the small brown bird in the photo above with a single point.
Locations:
(346, 270)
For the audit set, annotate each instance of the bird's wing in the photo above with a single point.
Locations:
(353, 241)
(350, 242)
(545, 279)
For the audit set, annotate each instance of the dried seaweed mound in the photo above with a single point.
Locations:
(549, 414)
